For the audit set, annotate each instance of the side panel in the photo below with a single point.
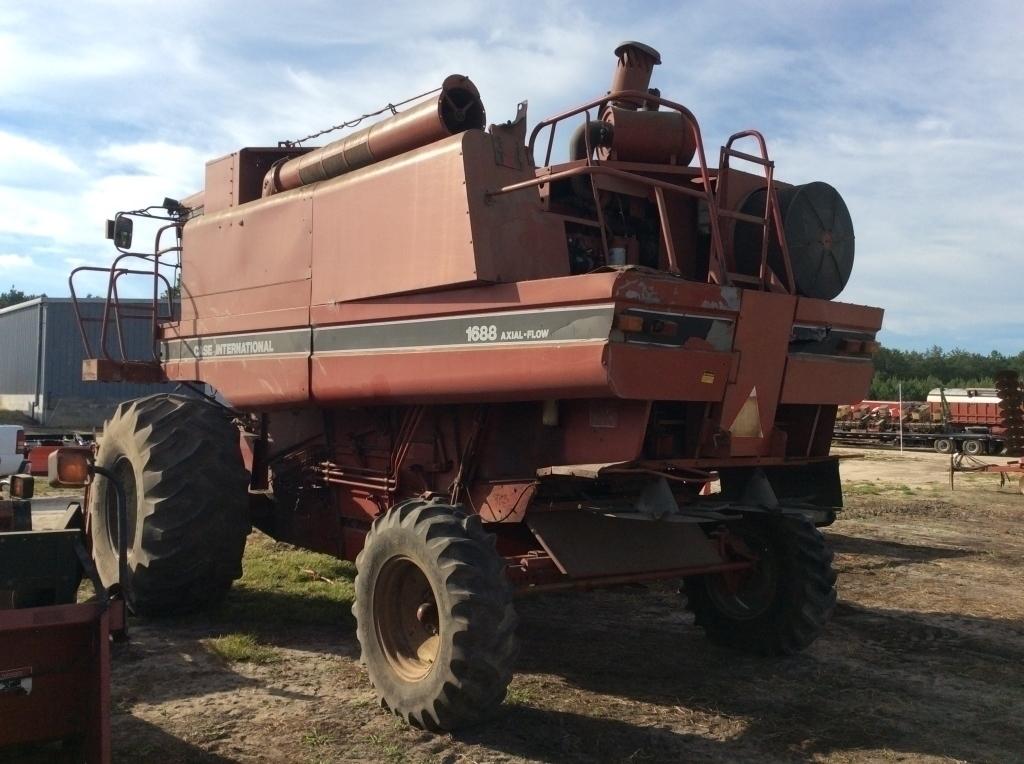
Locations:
(248, 267)
(423, 221)
(826, 379)
(462, 374)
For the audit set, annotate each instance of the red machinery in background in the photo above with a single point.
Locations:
(476, 373)
(1010, 409)
(972, 421)
(54, 650)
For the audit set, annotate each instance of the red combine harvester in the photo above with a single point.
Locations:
(478, 374)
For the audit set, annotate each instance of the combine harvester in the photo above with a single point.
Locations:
(479, 374)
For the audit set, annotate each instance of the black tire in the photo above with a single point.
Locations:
(973, 447)
(179, 461)
(943, 445)
(434, 616)
(783, 604)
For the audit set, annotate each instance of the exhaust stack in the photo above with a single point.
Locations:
(633, 70)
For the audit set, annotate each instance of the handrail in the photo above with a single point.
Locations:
(716, 268)
(717, 271)
(114, 312)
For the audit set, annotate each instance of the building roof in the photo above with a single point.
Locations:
(81, 300)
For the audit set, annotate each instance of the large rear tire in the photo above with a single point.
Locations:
(782, 604)
(434, 616)
(179, 461)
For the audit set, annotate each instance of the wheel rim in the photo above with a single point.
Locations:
(747, 594)
(124, 472)
(943, 446)
(405, 616)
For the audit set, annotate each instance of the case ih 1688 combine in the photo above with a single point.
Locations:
(477, 373)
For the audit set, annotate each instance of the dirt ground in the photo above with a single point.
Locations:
(923, 661)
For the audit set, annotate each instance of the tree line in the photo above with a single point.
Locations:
(922, 371)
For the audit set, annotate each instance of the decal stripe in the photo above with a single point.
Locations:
(592, 323)
(256, 344)
(552, 326)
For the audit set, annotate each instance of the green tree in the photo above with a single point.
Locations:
(13, 296)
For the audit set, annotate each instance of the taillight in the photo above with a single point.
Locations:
(633, 324)
(19, 442)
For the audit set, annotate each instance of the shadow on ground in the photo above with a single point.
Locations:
(926, 683)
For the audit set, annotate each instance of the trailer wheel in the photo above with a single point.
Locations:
(943, 445)
(782, 604)
(973, 447)
(186, 488)
(434, 615)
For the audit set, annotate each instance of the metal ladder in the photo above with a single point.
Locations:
(766, 279)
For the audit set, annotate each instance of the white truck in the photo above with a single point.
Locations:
(12, 449)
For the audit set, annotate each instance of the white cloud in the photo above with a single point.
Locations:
(29, 162)
(16, 262)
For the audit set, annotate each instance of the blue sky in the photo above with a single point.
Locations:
(914, 111)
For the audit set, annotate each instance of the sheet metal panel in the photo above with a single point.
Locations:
(63, 354)
(19, 348)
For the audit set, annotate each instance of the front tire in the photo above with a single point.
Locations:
(179, 461)
(434, 615)
(782, 604)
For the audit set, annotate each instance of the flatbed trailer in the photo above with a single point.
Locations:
(974, 441)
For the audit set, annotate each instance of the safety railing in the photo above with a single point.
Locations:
(710, 188)
(117, 311)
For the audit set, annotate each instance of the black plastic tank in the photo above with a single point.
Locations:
(819, 234)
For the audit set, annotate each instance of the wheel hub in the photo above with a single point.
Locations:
(406, 619)
(745, 594)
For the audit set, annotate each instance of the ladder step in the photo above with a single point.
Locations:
(106, 370)
(743, 216)
(743, 278)
(750, 157)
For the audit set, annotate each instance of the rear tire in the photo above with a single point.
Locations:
(179, 461)
(973, 447)
(782, 605)
(943, 445)
(434, 616)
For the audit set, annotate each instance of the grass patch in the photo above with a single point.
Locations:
(520, 696)
(283, 584)
(390, 749)
(319, 745)
(868, 488)
(242, 648)
(862, 488)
